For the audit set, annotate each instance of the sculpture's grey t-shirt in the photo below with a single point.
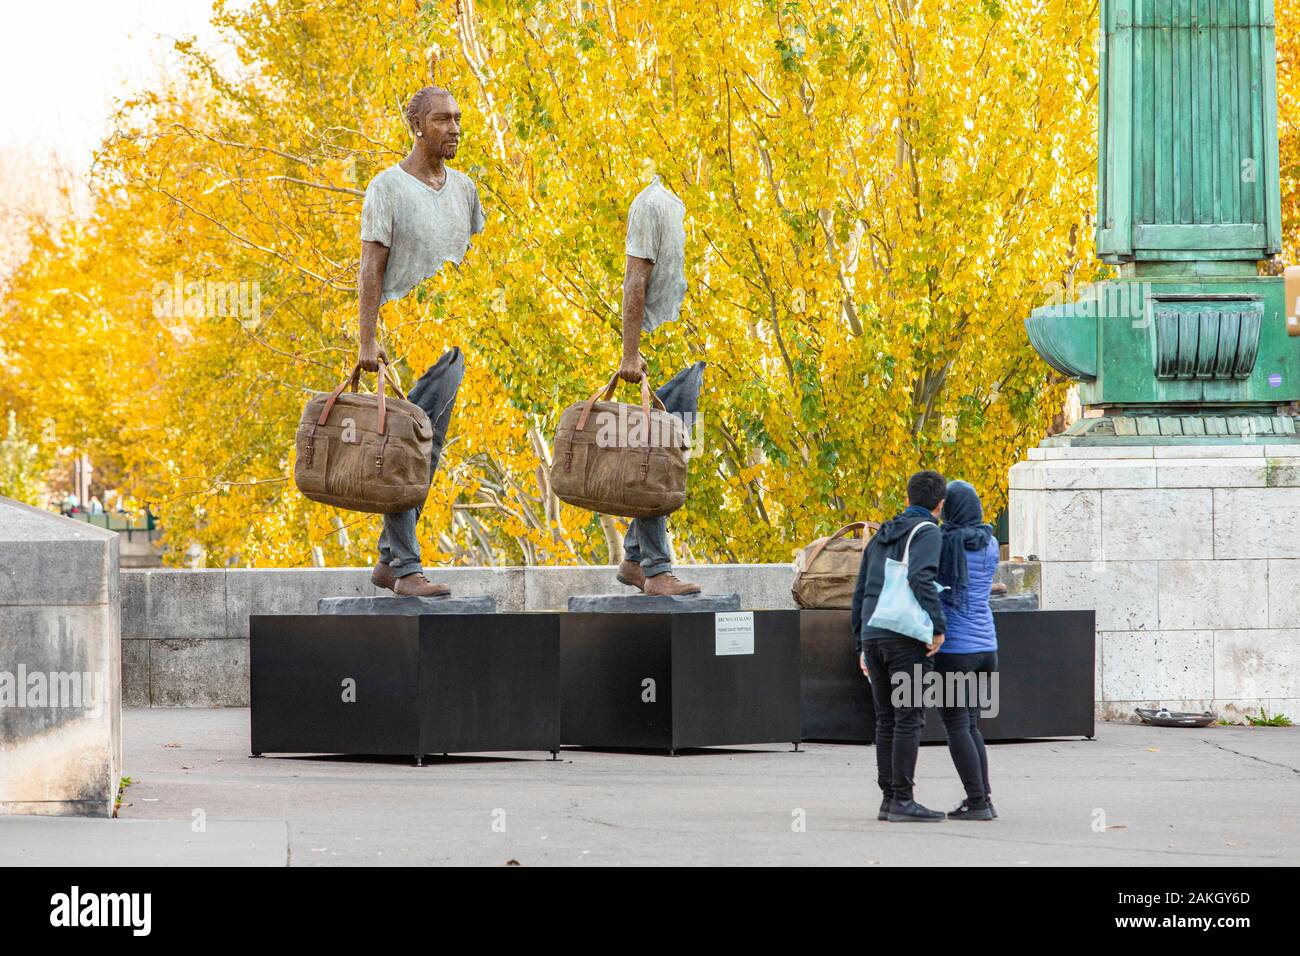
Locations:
(656, 231)
(422, 227)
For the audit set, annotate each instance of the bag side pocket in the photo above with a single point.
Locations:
(311, 457)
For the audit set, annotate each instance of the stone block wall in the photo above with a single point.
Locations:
(1190, 556)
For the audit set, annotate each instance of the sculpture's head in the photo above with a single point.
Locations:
(434, 119)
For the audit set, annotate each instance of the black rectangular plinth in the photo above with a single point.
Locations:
(656, 681)
(1045, 679)
(420, 684)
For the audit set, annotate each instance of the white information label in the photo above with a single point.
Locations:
(733, 632)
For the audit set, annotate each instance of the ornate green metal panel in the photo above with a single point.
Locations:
(1205, 337)
(1137, 349)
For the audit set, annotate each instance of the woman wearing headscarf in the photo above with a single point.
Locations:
(968, 562)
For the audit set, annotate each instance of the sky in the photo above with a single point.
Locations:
(63, 64)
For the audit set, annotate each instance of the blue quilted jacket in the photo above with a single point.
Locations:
(970, 627)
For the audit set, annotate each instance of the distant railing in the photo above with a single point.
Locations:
(117, 521)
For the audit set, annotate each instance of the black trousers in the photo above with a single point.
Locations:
(898, 728)
(961, 723)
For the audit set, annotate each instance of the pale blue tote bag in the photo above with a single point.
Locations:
(897, 608)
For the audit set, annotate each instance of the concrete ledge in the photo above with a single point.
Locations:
(47, 559)
(191, 672)
(60, 664)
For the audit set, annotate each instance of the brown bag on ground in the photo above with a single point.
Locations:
(364, 452)
(826, 571)
(606, 459)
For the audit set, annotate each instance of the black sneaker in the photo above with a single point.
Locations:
(970, 810)
(909, 811)
(884, 810)
(993, 810)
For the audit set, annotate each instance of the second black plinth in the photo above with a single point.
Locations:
(679, 680)
(404, 684)
(1045, 679)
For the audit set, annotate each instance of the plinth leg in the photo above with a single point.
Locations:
(555, 755)
(796, 746)
(419, 760)
(256, 754)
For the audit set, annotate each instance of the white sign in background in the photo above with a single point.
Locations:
(733, 632)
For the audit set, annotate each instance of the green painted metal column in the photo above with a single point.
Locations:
(1189, 343)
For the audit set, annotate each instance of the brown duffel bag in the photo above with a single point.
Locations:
(826, 571)
(615, 459)
(363, 452)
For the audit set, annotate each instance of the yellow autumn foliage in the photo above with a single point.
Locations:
(877, 193)
(1286, 14)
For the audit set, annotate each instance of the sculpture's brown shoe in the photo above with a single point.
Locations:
(417, 585)
(382, 576)
(631, 573)
(667, 584)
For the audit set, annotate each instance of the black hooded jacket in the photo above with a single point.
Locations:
(922, 566)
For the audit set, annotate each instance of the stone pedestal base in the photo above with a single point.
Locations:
(652, 603)
(1190, 555)
(475, 604)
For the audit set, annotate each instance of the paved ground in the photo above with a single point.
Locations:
(75, 842)
(1223, 795)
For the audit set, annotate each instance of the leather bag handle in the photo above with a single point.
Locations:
(354, 380)
(606, 393)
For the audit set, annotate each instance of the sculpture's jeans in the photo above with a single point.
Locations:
(435, 392)
(646, 541)
(399, 547)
